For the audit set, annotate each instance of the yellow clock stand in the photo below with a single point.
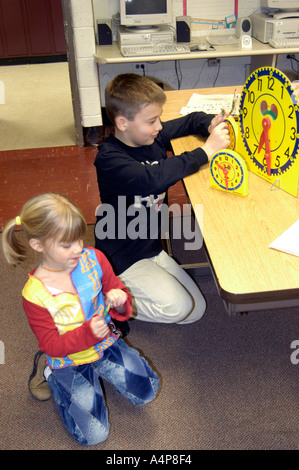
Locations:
(269, 126)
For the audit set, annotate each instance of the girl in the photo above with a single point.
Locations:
(66, 299)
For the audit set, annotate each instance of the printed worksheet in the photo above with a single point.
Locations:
(211, 104)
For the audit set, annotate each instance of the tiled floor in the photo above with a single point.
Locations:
(66, 170)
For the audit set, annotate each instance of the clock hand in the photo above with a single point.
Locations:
(225, 172)
(266, 123)
(221, 167)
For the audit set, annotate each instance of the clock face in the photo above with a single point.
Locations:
(269, 122)
(228, 172)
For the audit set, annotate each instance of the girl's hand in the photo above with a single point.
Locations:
(99, 327)
(117, 298)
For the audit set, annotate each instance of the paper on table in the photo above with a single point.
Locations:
(211, 104)
(288, 241)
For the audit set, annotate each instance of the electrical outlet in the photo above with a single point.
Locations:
(139, 66)
(213, 62)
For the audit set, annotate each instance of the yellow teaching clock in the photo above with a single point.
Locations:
(233, 132)
(268, 125)
(228, 172)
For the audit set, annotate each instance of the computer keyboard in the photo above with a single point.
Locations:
(284, 43)
(153, 49)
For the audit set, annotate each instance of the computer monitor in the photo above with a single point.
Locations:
(145, 13)
(281, 4)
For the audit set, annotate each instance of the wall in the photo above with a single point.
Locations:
(86, 68)
(191, 73)
(187, 75)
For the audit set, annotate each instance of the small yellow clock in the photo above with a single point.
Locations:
(233, 132)
(269, 125)
(228, 172)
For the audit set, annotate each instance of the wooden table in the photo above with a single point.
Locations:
(238, 230)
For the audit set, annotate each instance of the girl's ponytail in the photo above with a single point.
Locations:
(13, 250)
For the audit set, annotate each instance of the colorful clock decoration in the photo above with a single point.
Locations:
(228, 172)
(268, 126)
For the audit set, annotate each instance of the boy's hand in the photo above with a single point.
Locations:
(117, 298)
(99, 327)
(218, 140)
(218, 119)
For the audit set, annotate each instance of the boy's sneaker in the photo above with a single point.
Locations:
(37, 384)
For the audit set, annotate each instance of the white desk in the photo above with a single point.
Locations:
(263, 54)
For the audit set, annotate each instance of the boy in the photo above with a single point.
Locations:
(134, 174)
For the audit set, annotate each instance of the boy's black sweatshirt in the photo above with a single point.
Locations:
(133, 182)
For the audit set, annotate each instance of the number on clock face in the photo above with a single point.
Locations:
(269, 121)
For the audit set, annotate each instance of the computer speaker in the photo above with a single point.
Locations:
(243, 26)
(183, 25)
(104, 33)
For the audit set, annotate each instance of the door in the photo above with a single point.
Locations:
(31, 28)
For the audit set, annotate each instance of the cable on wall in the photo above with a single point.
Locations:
(178, 72)
(219, 63)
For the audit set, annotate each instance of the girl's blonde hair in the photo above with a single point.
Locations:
(44, 217)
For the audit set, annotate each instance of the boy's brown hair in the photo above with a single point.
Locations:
(128, 93)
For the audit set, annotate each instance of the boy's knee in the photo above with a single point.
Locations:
(184, 309)
(178, 308)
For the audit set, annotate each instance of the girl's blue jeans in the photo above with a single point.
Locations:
(79, 397)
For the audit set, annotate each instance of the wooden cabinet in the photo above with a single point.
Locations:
(31, 28)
